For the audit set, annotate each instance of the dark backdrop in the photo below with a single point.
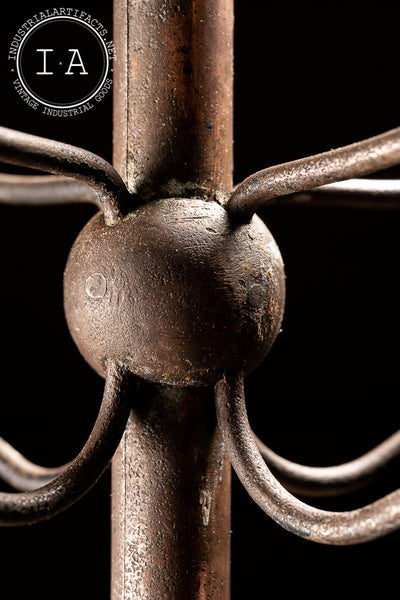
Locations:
(309, 77)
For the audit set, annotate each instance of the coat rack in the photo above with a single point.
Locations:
(172, 459)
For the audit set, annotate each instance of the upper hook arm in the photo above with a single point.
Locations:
(26, 150)
(361, 158)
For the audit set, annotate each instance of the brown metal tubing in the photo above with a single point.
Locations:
(21, 473)
(171, 500)
(30, 507)
(25, 150)
(173, 91)
(353, 193)
(173, 125)
(361, 158)
(44, 190)
(336, 528)
(335, 480)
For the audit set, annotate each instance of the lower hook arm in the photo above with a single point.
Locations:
(335, 480)
(335, 528)
(25, 508)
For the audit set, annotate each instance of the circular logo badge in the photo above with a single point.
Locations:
(61, 59)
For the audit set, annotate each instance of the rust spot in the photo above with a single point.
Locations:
(260, 246)
(272, 306)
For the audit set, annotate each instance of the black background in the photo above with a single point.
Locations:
(308, 78)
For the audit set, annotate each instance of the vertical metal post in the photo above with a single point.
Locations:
(172, 137)
(173, 96)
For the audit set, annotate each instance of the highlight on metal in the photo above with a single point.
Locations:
(84, 177)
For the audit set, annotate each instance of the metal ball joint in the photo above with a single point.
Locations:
(180, 292)
(176, 292)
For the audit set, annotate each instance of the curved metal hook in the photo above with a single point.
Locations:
(335, 480)
(31, 507)
(337, 528)
(361, 158)
(26, 150)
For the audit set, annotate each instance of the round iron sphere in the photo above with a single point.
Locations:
(177, 292)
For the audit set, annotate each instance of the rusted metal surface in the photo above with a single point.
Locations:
(150, 283)
(336, 528)
(173, 97)
(175, 292)
(361, 158)
(43, 190)
(31, 507)
(172, 137)
(22, 474)
(171, 500)
(335, 480)
(27, 150)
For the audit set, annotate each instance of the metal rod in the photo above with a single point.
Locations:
(170, 500)
(30, 507)
(25, 150)
(21, 473)
(353, 193)
(361, 158)
(173, 104)
(334, 480)
(44, 190)
(172, 137)
(336, 528)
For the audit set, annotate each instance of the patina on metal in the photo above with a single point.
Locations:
(171, 519)
(326, 527)
(25, 150)
(173, 97)
(335, 480)
(361, 158)
(132, 292)
(82, 473)
(173, 138)
(196, 286)
(43, 190)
